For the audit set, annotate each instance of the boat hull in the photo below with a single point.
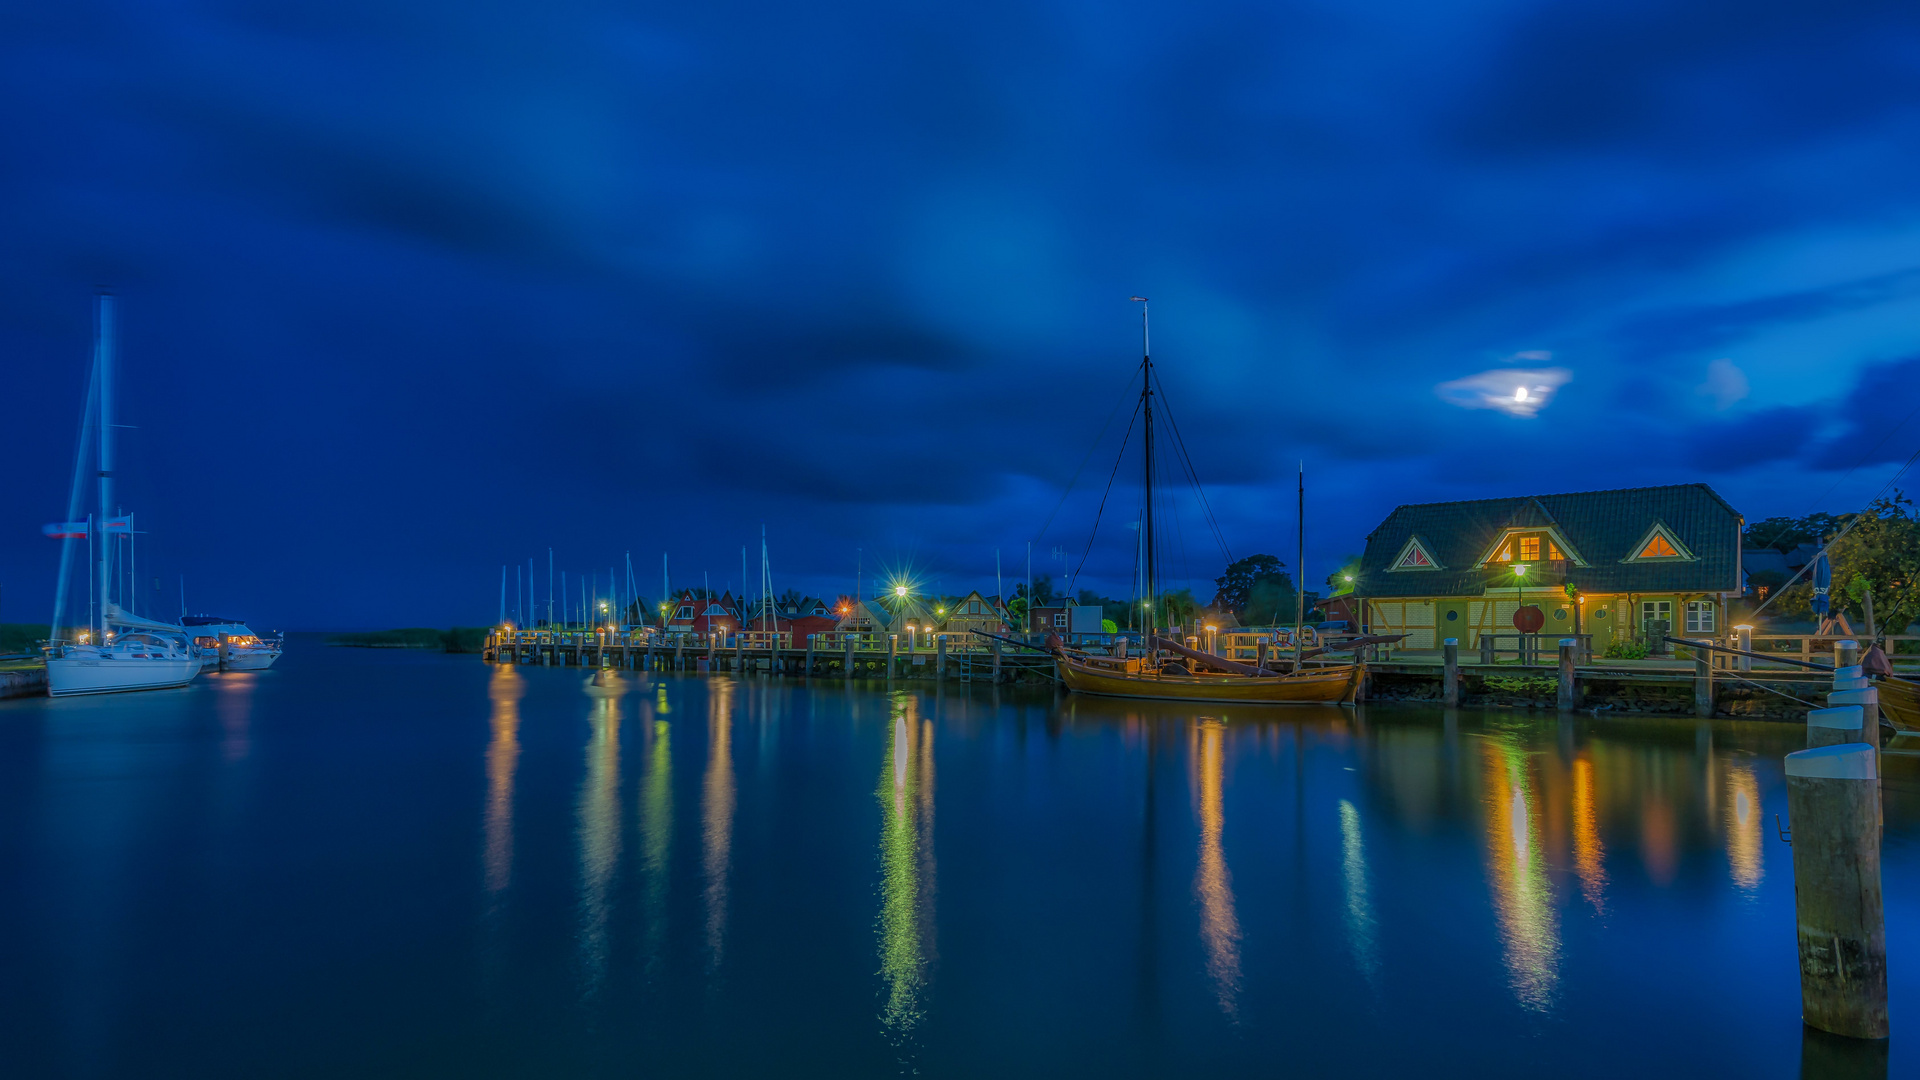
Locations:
(1899, 703)
(71, 676)
(1323, 686)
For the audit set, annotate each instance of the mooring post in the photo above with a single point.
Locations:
(1568, 646)
(1702, 684)
(893, 647)
(1831, 727)
(739, 652)
(1846, 653)
(1450, 686)
(1868, 699)
(996, 661)
(846, 665)
(939, 657)
(224, 647)
(1746, 646)
(809, 671)
(711, 643)
(1486, 648)
(1833, 795)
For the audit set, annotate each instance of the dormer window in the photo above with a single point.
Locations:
(1526, 548)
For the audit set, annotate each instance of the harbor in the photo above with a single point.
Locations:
(381, 861)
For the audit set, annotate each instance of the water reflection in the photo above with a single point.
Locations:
(1360, 929)
(599, 831)
(503, 753)
(1589, 855)
(656, 838)
(234, 706)
(1212, 883)
(906, 869)
(717, 800)
(1522, 897)
(1743, 826)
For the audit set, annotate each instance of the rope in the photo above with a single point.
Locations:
(1089, 456)
(1103, 497)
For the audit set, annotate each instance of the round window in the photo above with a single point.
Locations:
(1600, 614)
(1452, 615)
(1560, 613)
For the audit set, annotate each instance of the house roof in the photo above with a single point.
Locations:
(1603, 526)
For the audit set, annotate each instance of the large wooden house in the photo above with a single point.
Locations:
(1631, 556)
(691, 613)
(974, 612)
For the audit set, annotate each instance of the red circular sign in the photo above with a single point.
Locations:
(1529, 620)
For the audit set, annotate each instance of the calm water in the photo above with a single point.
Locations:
(386, 863)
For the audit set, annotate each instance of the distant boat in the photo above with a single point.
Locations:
(246, 650)
(1166, 672)
(119, 651)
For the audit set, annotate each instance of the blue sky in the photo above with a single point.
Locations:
(410, 291)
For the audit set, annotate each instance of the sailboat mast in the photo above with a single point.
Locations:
(1146, 409)
(103, 362)
(1300, 568)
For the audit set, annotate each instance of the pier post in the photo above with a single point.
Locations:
(739, 652)
(1846, 653)
(1833, 795)
(226, 645)
(809, 669)
(680, 654)
(1702, 685)
(1450, 687)
(1568, 691)
(893, 644)
(996, 661)
(846, 665)
(940, 657)
(1868, 701)
(1486, 648)
(1746, 646)
(1831, 727)
(710, 648)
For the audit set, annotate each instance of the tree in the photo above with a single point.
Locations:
(1177, 606)
(1236, 586)
(1881, 555)
(1783, 534)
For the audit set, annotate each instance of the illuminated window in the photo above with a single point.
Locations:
(1658, 548)
(1652, 611)
(1529, 549)
(1553, 551)
(1699, 616)
(1506, 553)
(685, 612)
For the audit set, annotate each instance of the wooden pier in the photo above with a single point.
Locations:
(962, 657)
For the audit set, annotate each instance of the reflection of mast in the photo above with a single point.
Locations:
(1589, 857)
(906, 869)
(1522, 898)
(599, 831)
(1212, 883)
(503, 753)
(1360, 924)
(717, 827)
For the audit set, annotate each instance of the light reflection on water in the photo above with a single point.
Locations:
(1361, 894)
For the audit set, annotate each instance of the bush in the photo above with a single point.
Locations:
(1108, 626)
(1626, 650)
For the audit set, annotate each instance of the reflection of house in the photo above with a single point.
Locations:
(696, 614)
(1459, 569)
(974, 612)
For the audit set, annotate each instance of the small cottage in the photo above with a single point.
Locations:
(1606, 563)
(974, 612)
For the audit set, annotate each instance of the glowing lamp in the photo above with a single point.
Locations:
(899, 590)
(1521, 570)
(1743, 626)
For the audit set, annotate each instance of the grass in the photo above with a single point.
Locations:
(456, 639)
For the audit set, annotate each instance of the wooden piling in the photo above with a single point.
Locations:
(1831, 727)
(1833, 794)
(225, 650)
(808, 672)
(846, 665)
(893, 644)
(1486, 648)
(939, 657)
(739, 653)
(996, 661)
(1568, 697)
(1846, 654)
(1868, 699)
(1450, 688)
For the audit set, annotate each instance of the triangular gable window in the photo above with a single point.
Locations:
(1414, 556)
(1659, 545)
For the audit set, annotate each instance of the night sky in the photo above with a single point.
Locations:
(410, 291)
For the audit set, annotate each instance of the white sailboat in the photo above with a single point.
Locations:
(119, 651)
(246, 650)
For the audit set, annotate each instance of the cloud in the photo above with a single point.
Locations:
(1519, 392)
(1725, 384)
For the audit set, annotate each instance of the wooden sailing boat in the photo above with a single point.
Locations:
(1167, 671)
